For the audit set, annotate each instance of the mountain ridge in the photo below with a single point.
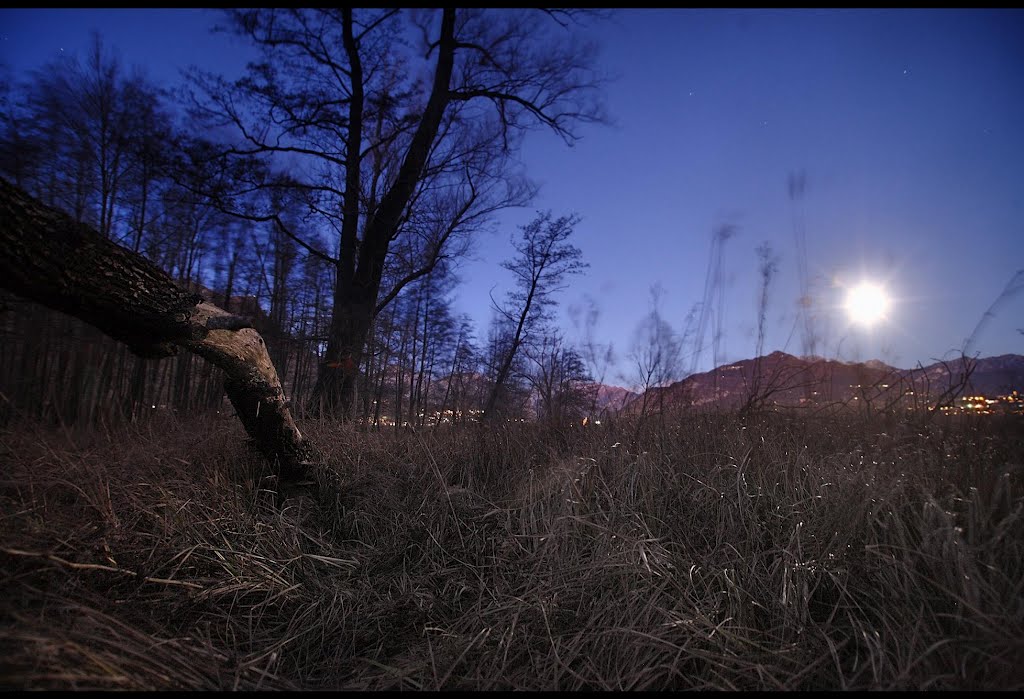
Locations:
(783, 379)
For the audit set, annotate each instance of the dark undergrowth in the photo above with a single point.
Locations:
(702, 552)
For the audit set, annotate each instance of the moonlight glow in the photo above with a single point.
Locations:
(866, 303)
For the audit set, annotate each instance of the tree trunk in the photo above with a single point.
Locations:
(51, 259)
(335, 391)
(360, 271)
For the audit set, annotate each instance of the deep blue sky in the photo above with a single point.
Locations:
(909, 125)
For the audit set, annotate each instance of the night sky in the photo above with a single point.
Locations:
(907, 124)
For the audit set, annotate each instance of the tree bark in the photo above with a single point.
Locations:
(50, 258)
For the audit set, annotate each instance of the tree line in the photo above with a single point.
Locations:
(327, 195)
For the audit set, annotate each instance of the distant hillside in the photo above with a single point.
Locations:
(783, 379)
(613, 398)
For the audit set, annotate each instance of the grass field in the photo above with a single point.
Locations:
(698, 552)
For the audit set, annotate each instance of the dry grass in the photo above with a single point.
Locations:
(703, 552)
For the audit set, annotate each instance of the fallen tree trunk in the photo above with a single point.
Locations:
(48, 257)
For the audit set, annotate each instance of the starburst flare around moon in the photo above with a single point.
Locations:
(867, 303)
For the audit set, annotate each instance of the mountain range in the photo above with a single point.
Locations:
(786, 380)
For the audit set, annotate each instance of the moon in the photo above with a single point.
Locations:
(867, 303)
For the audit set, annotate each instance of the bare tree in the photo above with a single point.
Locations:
(545, 261)
(387, 138)
(562, 385)
(457, 382)
(510, 398)
(656, 355)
